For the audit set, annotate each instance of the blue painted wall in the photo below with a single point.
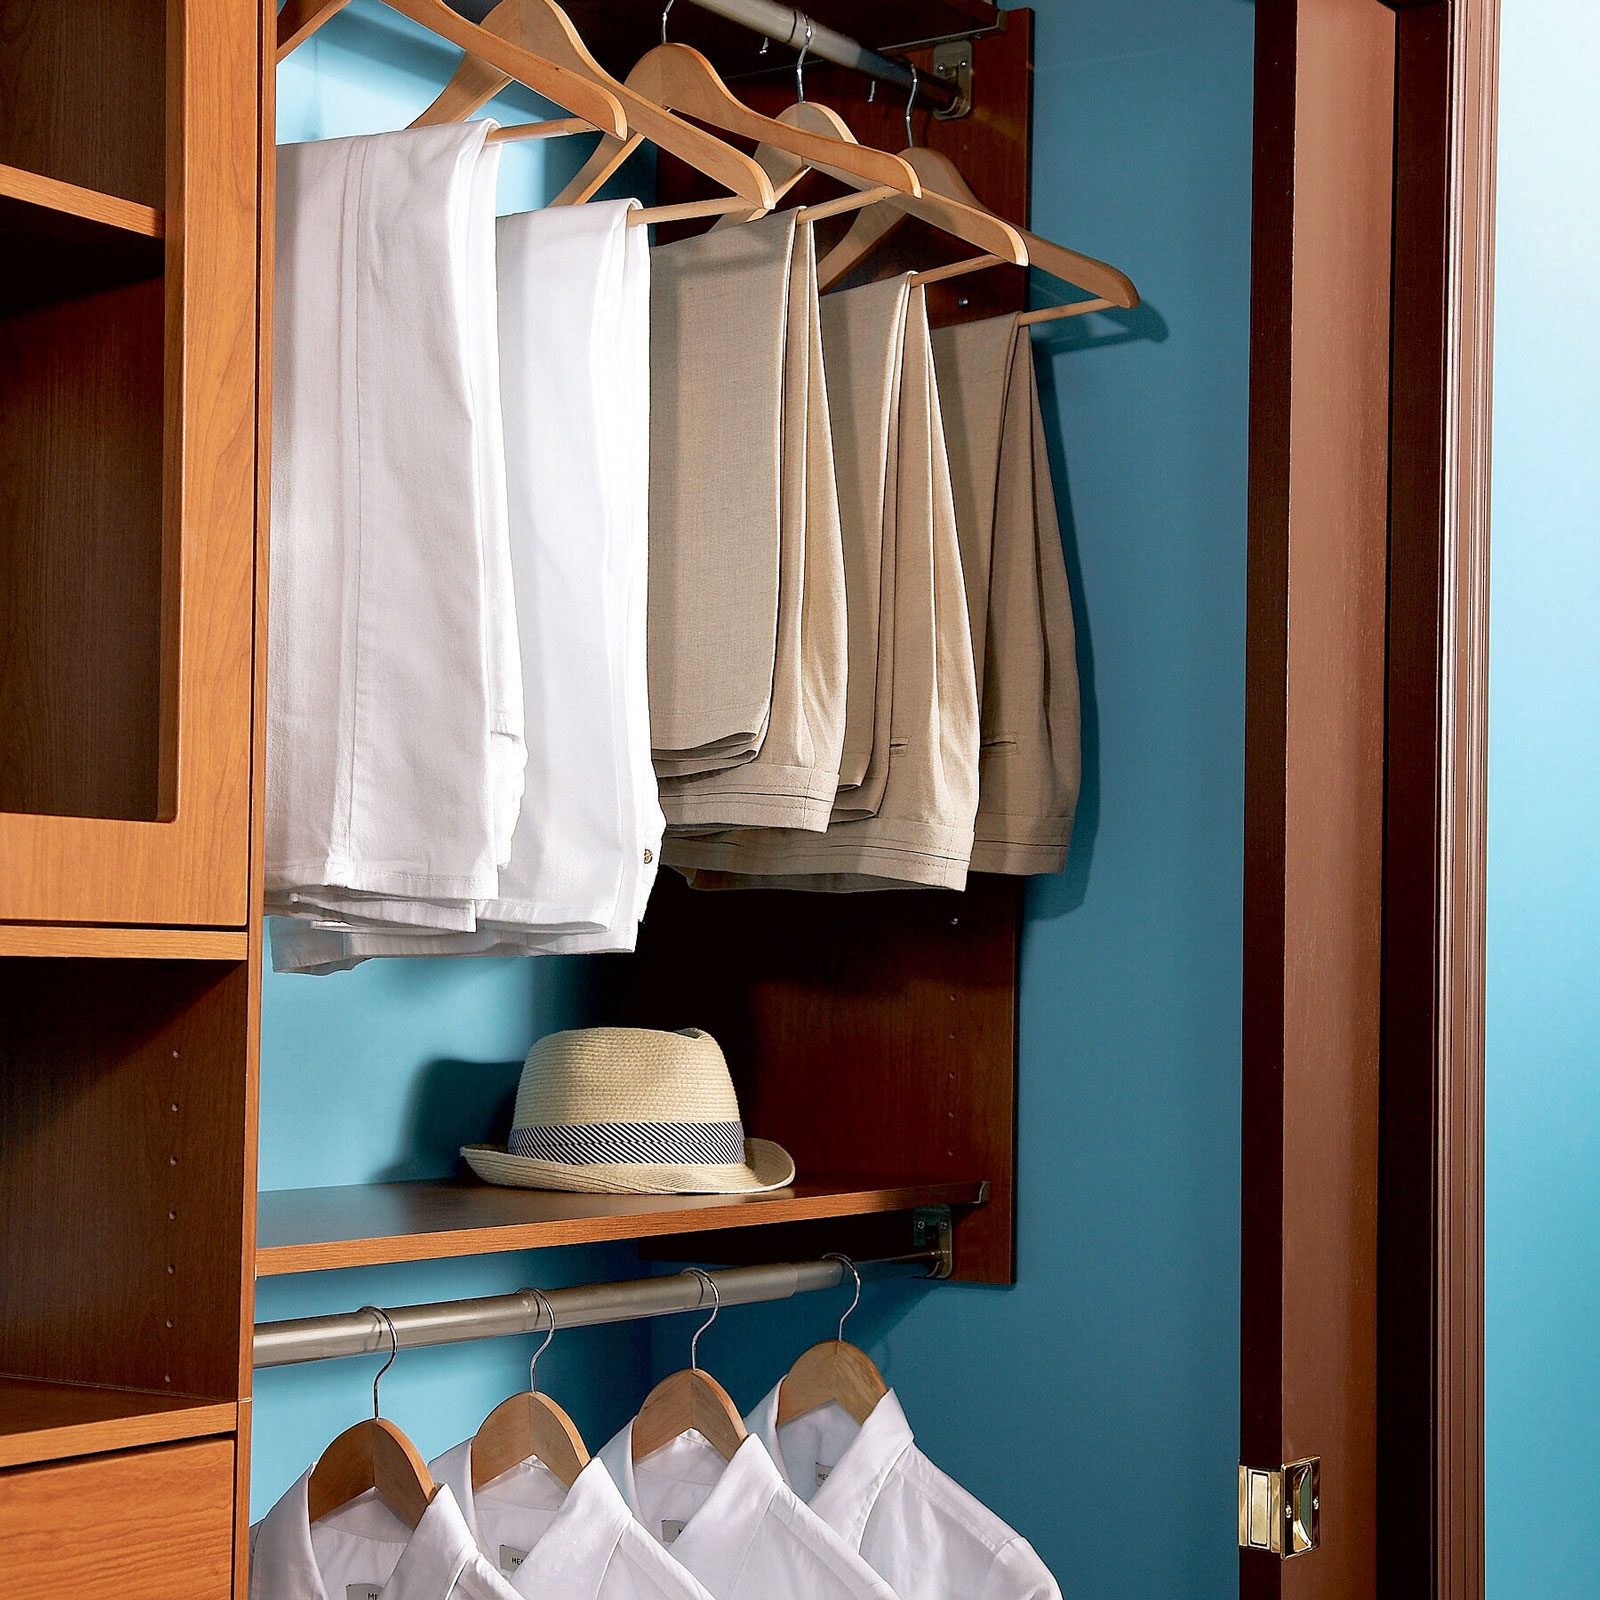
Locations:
(1542, 1308)
(1115, 1359)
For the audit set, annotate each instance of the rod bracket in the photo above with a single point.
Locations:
(952, 64)
(933, 1229)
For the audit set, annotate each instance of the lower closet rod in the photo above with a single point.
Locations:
(355, 1333)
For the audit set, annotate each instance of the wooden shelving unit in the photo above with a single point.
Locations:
(52, 1421)
(123, 944)
(311, 1230)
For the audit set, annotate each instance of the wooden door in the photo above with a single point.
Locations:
(1314, 764)
(127, 459)
(1361, 1309)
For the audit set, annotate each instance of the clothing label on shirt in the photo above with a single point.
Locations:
(511, 1558)
(670, 1529)
(822, 1474)
(362, 1591)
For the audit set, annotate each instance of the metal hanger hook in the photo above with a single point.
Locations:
(550, 1316)
(800, 64)
(666, 11)
(916, 80)
(855, 1272)
(716, 1311)
(394, 1350)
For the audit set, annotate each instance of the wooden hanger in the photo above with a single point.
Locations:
(543, 26)
(529, 1427)
(690, 1399)
(972, 224)
(833, 1371)
(374, 1454)
(591, 102)
(683, 80)
(940, 178)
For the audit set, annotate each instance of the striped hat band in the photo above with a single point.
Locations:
(631, 1143)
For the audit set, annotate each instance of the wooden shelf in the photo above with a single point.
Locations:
(50, 1421)
(60, 241)
(127, 944)
(311, 1230)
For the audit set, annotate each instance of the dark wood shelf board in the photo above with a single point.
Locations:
(312, 1230)
(60, 241)
(50, 1421)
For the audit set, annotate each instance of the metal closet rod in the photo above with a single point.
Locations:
(355, 1333)
(787, 26)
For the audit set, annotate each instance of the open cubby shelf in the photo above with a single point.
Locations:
(61, 241)
(311, 1230)
(50, 1421)
(124, 944)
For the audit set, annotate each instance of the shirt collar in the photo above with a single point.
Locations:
(284, 1566)
(715, 1540)
(569, 1561)
(846, 1500)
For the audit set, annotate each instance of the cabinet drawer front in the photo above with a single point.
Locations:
(144, 1525)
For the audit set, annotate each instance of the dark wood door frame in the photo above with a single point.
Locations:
(1362, 1293)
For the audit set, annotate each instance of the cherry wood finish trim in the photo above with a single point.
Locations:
(114, 943)
(51, 194)
(52, 1421)
(152, 1525)
(1431, 1371)
(1314, 768)
(311, 1230)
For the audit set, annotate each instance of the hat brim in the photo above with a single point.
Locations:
(766, 1166)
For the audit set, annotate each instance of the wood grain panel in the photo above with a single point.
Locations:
(873, 1035)
(1314, 769)
(121, 1172)
(194, 868)
(136, 944)
(82, 92)
(311, 1230)
(146, 1525)
(51, 1421)
(81, 427)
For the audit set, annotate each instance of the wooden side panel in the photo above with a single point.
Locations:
(81, 554)
(146, 1525)
(121, 1172)
(873, 1036)
(194, 868)
(82, 93)
(1314, 769)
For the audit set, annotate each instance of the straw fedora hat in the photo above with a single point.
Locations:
(630, 1111)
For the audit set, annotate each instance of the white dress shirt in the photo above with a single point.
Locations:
(736, 1525)
(555, 1543)
(363, 1551)
(913, 1523)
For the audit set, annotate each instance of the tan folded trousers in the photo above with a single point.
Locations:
(1017, 597)
(718, 307)
(921, 832)
(791, 780)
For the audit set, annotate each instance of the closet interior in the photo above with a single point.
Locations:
(874, 1036)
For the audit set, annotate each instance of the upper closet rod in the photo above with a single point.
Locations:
(791, 27)
(355, 1333)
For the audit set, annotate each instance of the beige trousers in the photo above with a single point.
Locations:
(791, 780)
(1017, 596)
(921, 832)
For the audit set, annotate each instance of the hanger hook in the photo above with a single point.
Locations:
(855, 1272)
(394, 1350)
(550, 1316)
(800, 63)
(666, 11)
(716, 1311)
(916, 80)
